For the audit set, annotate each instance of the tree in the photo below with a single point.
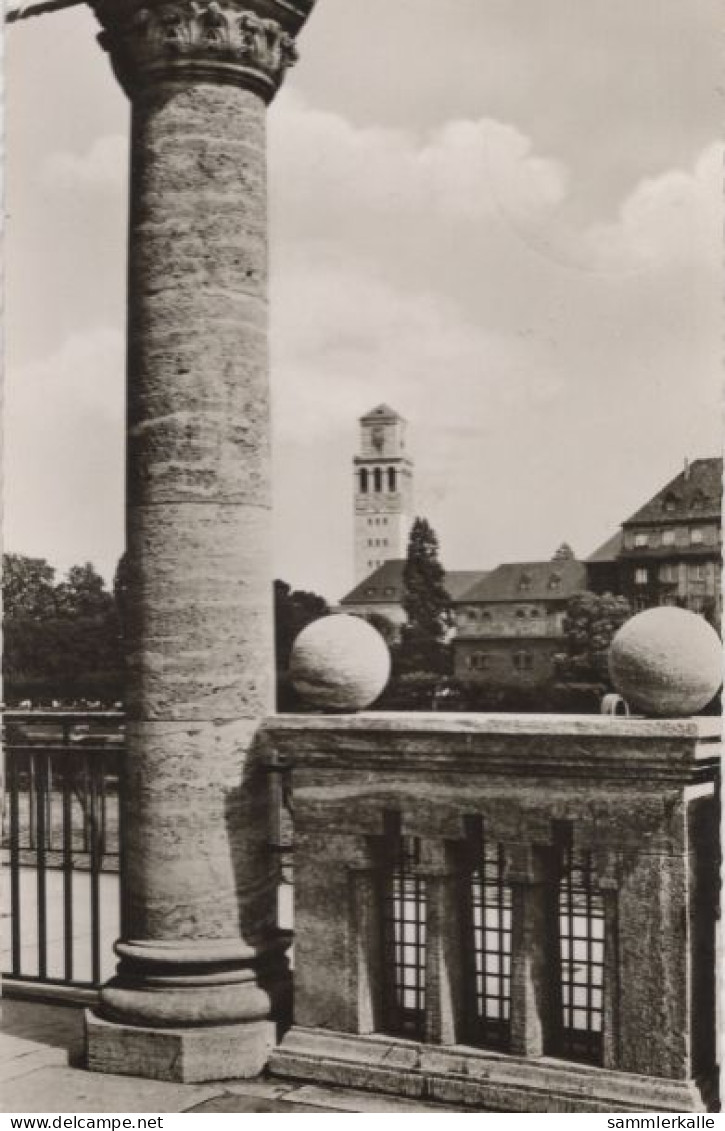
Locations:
(294, 609)
(28, 587)
(60, 641)
(83, 593)
(427, 605)
(564, 553)
(589, 625)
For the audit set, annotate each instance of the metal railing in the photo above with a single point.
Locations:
(61, 843)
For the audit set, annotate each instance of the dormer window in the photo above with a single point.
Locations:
(670, 503)
(698, 501)
(524, 583)
(555, 581)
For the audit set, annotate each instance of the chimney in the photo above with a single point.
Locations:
(687, 469)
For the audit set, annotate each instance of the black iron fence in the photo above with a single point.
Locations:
(61, 843)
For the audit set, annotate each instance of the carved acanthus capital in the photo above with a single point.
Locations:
(220, 40)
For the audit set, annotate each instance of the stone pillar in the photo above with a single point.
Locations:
(200, 965)
(533, 953)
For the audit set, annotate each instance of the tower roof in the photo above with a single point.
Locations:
(381, 412)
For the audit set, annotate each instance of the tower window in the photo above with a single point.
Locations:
(378, 479)
(392, 479)
(364, 481)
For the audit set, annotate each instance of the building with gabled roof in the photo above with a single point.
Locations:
(510, 625)
(382, 591)
(669, 552)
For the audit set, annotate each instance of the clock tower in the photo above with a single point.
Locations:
(383, 490)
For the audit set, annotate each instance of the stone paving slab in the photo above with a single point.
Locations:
(40, 1056)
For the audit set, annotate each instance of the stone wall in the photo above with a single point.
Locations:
(636, 800)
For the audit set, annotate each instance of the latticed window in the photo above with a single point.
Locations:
(404, 933)
(581, 953)
(487, 942)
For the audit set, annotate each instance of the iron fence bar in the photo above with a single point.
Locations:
(95, 858)
(41, 781)
(68, 873)
(12, 765)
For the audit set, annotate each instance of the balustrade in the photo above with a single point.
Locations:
(510, 911)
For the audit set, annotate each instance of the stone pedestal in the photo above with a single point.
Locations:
(201, 969)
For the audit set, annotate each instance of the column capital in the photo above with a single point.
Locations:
(249, 43)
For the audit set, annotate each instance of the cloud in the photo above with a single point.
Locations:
(458, 172)
(103, 166)
(64, 428)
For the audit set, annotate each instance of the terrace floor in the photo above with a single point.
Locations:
(40, 1071)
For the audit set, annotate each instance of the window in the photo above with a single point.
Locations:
(697, 536)
(378, 480)
(523, 661)
(385, 522)
(521, 613)
(697, 572)
(389, 592)
(479, 661)
(485, 615)
(639, 603)
(668, 537)
(641, 539)
(581, 954)
(392, 479)
(370, 592)
(698, 501)
(534, 613)
(697, 604)
(524, 583)
(404, 916)
(488, 949)
(670, 503)
(385, 541)
(668, 573)
(641, 577)
(364, 481)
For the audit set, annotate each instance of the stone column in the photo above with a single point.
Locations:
(533, 954)
(200, 965)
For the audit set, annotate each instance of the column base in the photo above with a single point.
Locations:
(474, 1078)
(184, 1055)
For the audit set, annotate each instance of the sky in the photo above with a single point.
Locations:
(501, 218)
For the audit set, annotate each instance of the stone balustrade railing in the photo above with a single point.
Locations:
(508, 912)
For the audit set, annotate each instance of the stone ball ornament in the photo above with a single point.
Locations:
(339, 663)
(666, 662)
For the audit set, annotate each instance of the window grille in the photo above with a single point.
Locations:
(487, 945)
(581, 953)
(404, 934)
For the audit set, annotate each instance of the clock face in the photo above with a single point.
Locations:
(378, 438)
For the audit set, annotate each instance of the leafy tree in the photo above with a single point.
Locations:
(427, 605)
(28, 586)
(564, 553)
(590, 623)
(83, 593)
(386, 627)
(294, 609)
(60, 641)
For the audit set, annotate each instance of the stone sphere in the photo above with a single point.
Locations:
(339, 663)
(666, 662)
